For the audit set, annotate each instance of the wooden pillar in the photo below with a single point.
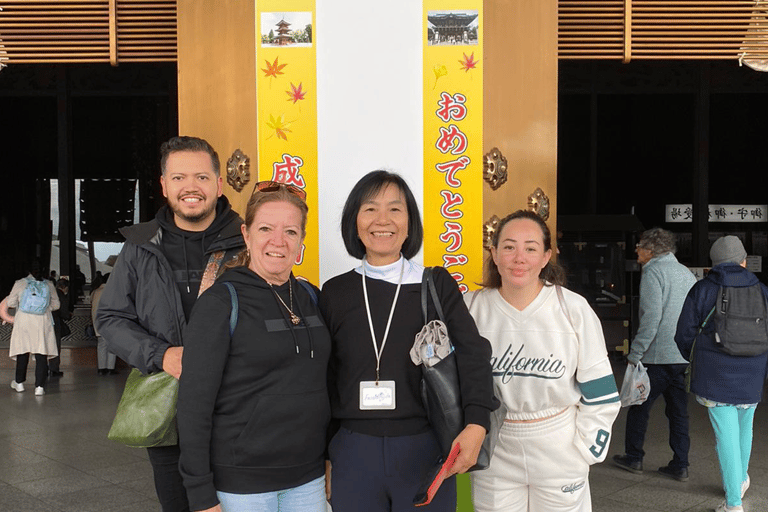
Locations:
(520, 94)
(217, 80)
(67, 229)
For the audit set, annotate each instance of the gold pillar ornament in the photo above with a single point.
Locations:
(538, 203)
(495, 168)
(489, 231)
(238, 170)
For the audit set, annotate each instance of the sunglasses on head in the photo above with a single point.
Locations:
(274, 186)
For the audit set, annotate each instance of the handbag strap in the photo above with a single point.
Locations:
(310, 291)
(427, 282)
(235, 307)
(701, 328)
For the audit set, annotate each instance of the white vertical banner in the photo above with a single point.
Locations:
(369, 106)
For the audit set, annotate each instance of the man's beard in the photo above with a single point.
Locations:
(193, 218)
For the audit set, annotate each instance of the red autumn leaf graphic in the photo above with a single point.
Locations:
(273, 69)
(295, 93)
(468, 62)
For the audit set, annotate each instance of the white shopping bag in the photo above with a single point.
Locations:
(636, 386)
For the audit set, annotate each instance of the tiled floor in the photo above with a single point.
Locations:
(54, 455)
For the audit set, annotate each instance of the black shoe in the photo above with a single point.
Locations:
(623, 462)
(113, 372)
(103, 371)
(56, 373)
(681, 475)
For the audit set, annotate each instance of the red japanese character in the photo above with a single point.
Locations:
(451, 168)
(450, 260)
(451, 139)
(288, 171)
(451, 200)
(451, 107)
(300, 256)
(452, 236)
(458, 277)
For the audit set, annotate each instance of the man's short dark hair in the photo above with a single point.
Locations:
(185, 143)
(368, 186)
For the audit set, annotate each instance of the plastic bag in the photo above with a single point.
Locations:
(636, 386)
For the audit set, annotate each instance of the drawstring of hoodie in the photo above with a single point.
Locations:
(186, 264)
(309, 331)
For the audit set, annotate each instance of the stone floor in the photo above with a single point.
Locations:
(55, 455)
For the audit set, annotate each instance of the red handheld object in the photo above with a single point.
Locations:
(437, 475)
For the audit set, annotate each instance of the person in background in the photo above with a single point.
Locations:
(105, 359)
(730, 387)
(381, 453)
(32, 331)
(160, 273)
(60, 327)
(253, 405)
(663, 287)
(551, 368)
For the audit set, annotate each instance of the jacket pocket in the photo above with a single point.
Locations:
(284, 430)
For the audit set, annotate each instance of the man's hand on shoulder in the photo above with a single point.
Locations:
(172, 361)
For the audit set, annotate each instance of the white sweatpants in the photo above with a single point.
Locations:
(535, 468)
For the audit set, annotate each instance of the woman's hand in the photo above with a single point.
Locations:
(471, 440)
(328, 480)
(4, 315)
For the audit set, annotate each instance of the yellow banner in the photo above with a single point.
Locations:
(286, 99)
(453, 138)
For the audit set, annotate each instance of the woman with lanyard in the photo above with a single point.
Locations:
(383, 446)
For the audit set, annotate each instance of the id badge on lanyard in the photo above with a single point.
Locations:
(379, 394)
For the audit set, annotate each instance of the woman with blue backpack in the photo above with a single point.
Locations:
(33, 297)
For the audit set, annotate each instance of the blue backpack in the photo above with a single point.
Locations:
(35, 298)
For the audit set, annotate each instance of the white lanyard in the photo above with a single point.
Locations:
(378, 351)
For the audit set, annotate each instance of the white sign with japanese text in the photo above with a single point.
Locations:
(720, 213)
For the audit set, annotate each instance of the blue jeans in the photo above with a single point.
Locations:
(733, 443)
(309, 497)
(667, 380)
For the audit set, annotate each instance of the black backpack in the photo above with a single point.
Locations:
(740, 320)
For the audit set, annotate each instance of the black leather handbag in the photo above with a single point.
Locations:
(440, 389)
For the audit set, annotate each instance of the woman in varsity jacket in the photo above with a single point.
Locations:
(729, 386)
(551, 369)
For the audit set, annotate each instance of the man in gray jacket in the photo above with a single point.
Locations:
(663, 287)
(159, 275)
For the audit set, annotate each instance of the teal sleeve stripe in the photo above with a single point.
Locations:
(598, 388)
(611, 400)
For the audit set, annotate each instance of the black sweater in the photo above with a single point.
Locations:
(252, 412)
(353, 359)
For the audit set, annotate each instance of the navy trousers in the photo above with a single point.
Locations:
(384, 474)
(667, 380)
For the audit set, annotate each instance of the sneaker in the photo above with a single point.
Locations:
(18, 386)
(681, 475)
(744, 486)
(725, 508)
(39, 391)
(624, 463)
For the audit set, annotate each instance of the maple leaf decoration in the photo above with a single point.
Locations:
(295, 93)
(279, 125)
(275, 69)
(468, 62)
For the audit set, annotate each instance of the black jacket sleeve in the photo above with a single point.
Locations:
(117, 318)
(206, 350)
(473, 353)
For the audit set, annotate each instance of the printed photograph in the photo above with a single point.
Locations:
(286, 29)
(446, 28)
